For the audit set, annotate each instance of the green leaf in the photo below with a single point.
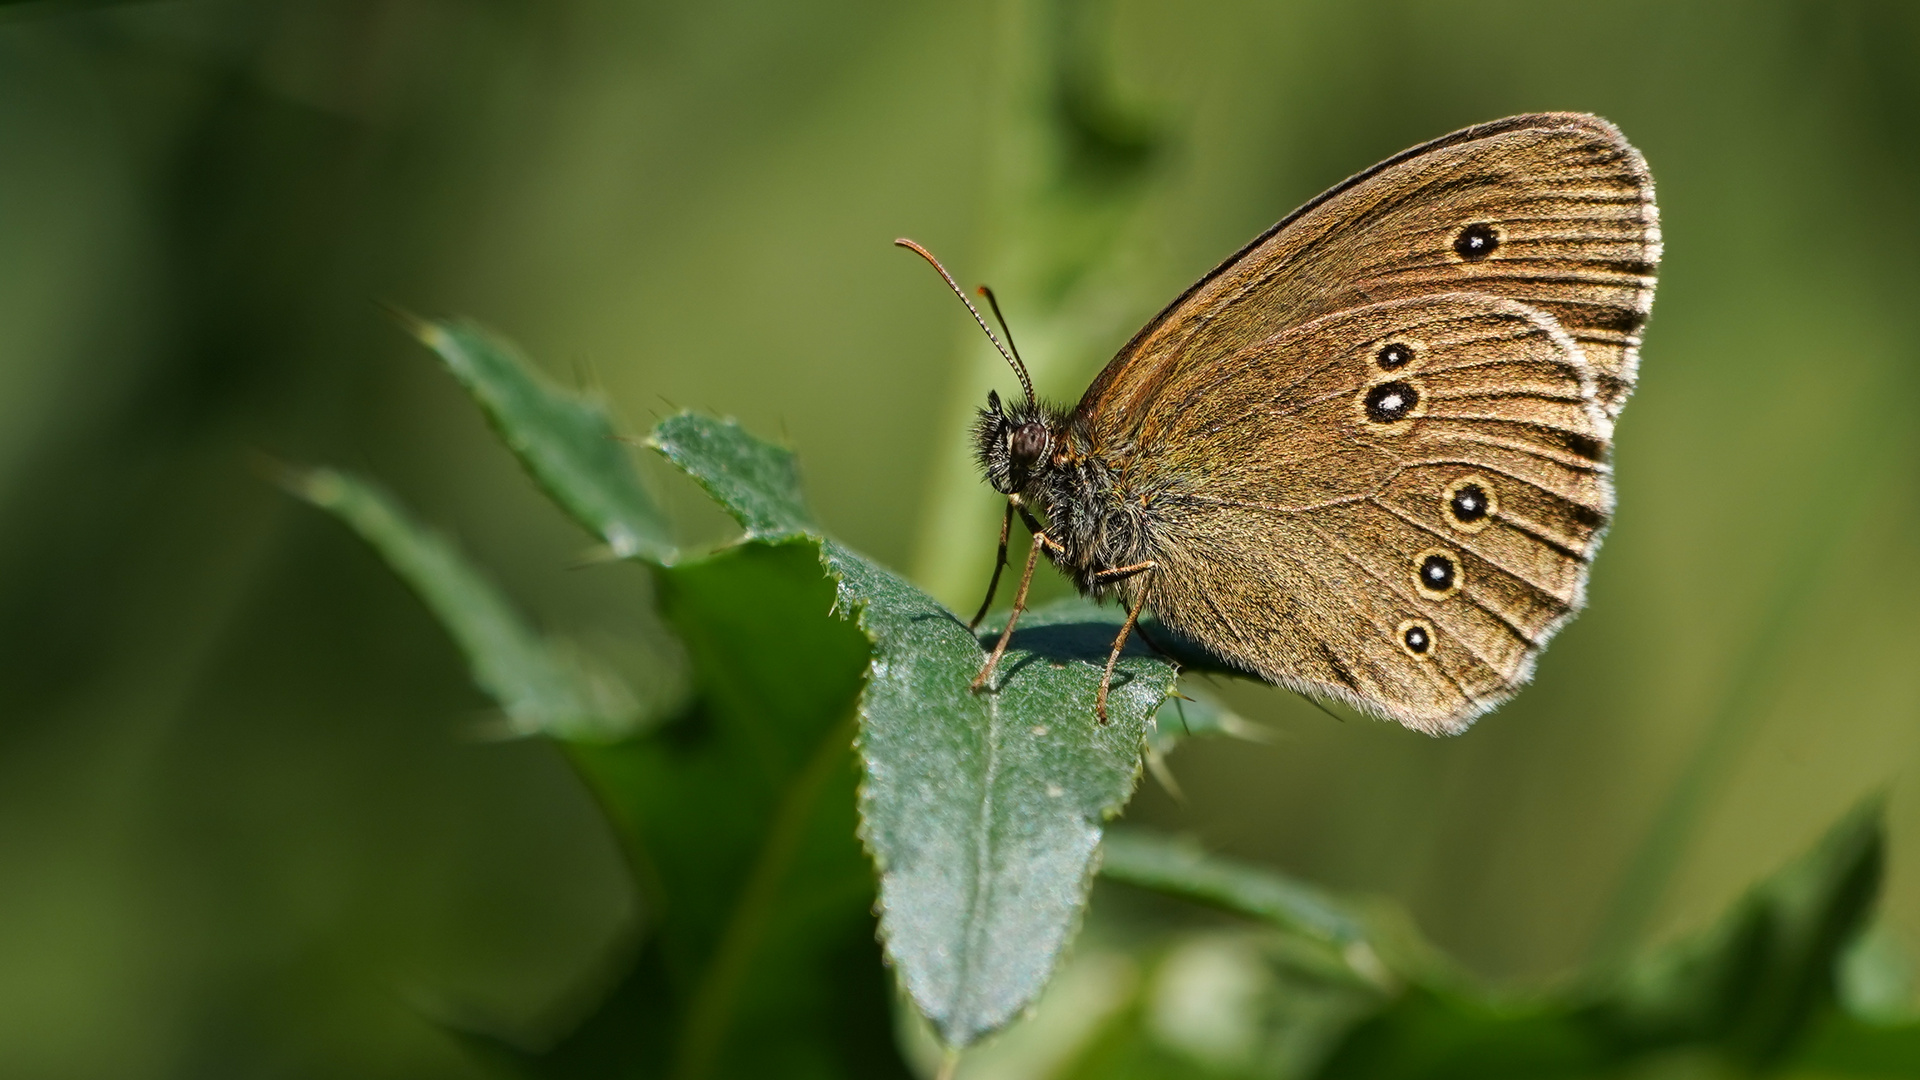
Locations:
(1179, 867)
(1185, 717)
(1751, 991)
(1755, 992)
(759, 957)
(1876, 978)
(1754, 982)
(1842, 1045)
(1437, 1035)
(565, 440)
(737, 817)
(757, 482)
(983, 812)
(543, 686)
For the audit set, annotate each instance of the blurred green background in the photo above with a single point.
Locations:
(249, 823)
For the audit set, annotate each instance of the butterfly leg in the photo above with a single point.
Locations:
(1126, 629)
(1040, 539)
(1033, 525)
(999, 564)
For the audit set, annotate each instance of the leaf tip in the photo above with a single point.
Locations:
(416, 327)
(281, 474)
(318, 485)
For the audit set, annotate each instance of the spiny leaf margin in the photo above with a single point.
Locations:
(565, 440)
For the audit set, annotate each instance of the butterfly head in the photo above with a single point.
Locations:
(1012, 443)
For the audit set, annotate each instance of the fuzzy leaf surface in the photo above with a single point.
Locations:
(983, 812)
(543, 685)
(565, 440)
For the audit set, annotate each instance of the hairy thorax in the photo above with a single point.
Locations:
(1049, 462)
(1090, 511)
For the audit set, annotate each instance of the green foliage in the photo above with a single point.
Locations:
(982, 811)
(737, 814)
(565, 440)
(1753, 983)
(245, 825)
(983, 815)
(544, 685)
(1181, 868)
(757, 482)
(1753, 994)
(759, 956)
(1748, 991)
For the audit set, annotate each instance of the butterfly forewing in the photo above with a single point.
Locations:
(1394, 504)
(1554, 210)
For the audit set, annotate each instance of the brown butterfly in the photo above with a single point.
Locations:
(1366, 456)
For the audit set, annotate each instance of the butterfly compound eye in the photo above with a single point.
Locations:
(1029, 442)
(1476, 242)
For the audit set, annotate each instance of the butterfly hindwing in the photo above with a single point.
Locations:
(1395, 504)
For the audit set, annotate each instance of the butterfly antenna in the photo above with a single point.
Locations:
(994, 303)
(1013, 360)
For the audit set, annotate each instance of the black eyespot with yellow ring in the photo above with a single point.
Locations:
(1391, 407)
(1436, 573)
(1391, 401)
(1469, 503)
(1416, 637)
(1476, 241)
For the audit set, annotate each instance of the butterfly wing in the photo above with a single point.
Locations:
(1555, 210)
(1394, 505)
